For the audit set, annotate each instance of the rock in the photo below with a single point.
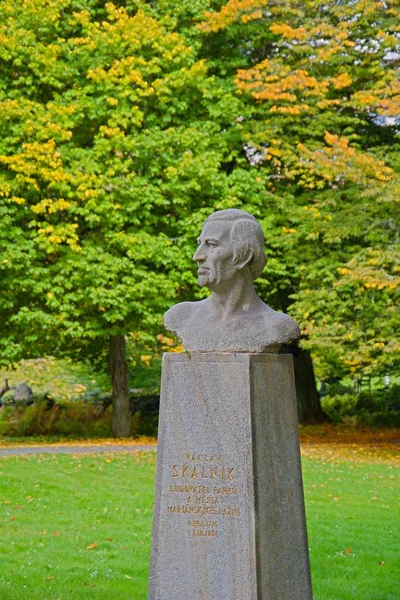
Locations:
(23, 395)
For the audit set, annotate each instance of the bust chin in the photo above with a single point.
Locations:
(264, 330)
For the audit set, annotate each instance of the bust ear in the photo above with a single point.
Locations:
(243, 257)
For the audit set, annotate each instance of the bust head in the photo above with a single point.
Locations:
(231, 241)
(232, 318)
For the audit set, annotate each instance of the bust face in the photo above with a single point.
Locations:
(214, 255)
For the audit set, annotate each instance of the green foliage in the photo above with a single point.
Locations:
(113, 136)
(80, 418)
(8, 398)
(60, 379)
(339, 406)
(322, 90)
(379, 408)
(77, 419)
(380, 398)
(122, 126)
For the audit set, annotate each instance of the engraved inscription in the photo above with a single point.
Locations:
(203, 529)
(203, 472)
(207, 458)
(204, 485)
(203, 524)
(203, 533)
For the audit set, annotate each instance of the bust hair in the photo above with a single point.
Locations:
(246, 235)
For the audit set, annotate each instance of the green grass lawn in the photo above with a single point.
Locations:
(353, 520)
(77, 527)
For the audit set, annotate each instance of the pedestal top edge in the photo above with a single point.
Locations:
(238, 357)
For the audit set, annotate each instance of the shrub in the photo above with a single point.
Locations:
(80, 418)
(336, 388)
(76, 418)
(380, 408)
(338, 406)
(8, 398)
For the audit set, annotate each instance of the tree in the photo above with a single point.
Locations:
(123, 127)
(322, 85)
(112, 140)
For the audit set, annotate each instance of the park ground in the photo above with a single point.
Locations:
(77, 526)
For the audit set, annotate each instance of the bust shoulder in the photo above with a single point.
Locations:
(286, 328)
(262, 331)
(179, 314)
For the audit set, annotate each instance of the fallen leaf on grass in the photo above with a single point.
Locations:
(91, 546)
(127, 576)
(57, 533)
(12, 518)
(50, 577)
(348, 551)
(382, 562)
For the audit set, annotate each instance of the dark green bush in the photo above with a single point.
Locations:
(339, 406)
(8, 398)
(390, 418)
(379, 408)
(75, 419)
(335, 389)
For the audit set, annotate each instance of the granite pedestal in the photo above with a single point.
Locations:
(229, 521)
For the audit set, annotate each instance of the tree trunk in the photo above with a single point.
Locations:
(308, 403)
(121, 414)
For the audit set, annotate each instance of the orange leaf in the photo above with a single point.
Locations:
(348, 550)
(91, 546)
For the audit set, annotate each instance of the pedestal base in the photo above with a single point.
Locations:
(229, 521)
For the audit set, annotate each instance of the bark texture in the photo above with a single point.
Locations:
(121, 415)
(308, 401)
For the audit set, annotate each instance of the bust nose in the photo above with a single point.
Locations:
(199, 256)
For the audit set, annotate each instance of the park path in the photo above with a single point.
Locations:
(70, 449)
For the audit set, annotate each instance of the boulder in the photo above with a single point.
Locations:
(23, 395)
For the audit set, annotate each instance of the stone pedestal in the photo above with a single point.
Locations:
(229, 521)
